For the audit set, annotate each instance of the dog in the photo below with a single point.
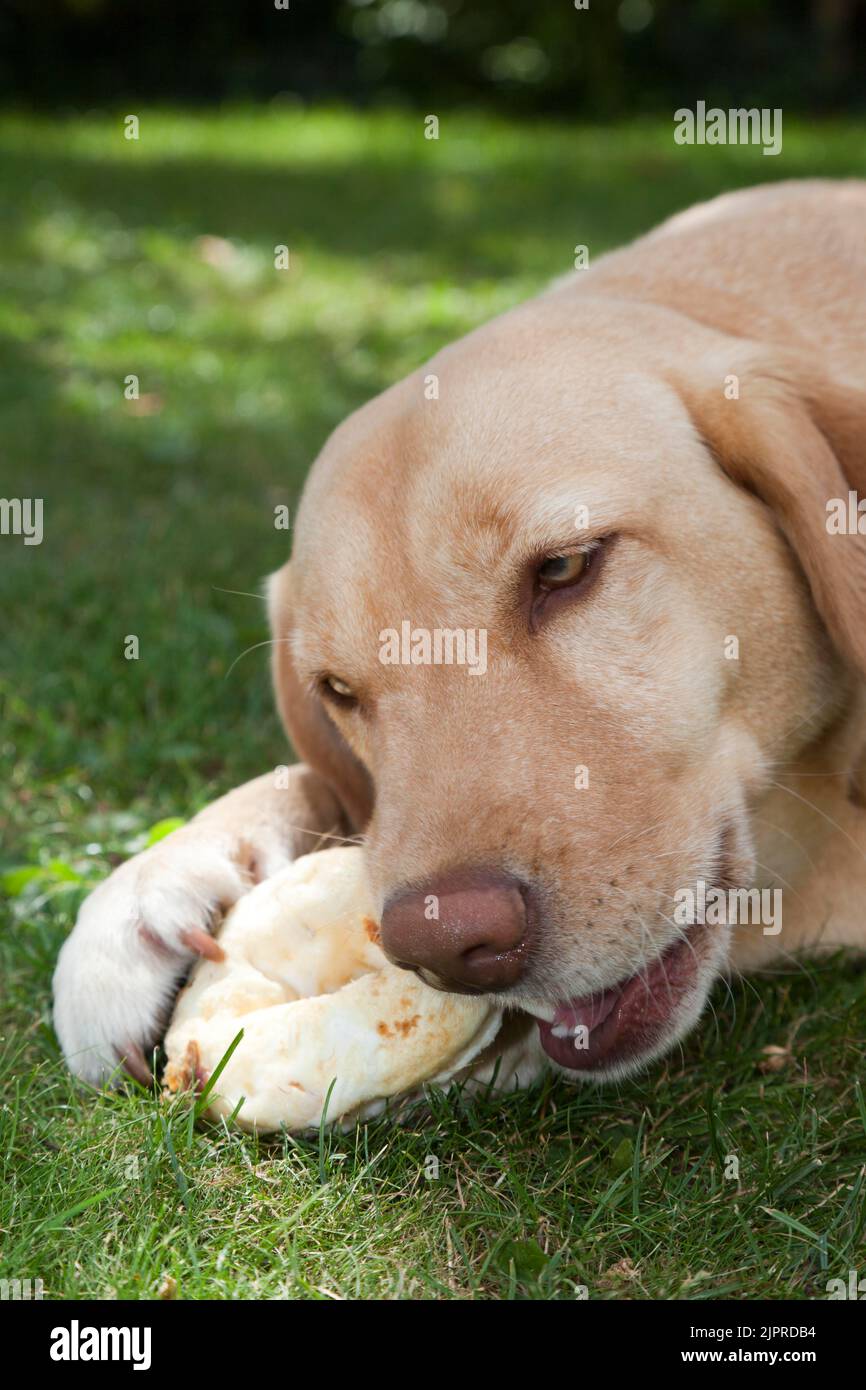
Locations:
(643, 487)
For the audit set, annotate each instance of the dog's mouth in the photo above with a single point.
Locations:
(603, 1033)
(609, 1034)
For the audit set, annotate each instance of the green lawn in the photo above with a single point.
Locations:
(153, 512)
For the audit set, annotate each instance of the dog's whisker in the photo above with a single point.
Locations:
(241, 593)
(840, 772)
(807, 719)
(325, 835)
(269, 642)
(760, 820)
(634, 835)
(823, 814)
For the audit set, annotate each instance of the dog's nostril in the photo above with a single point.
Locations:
(484, 952)
(445, 986)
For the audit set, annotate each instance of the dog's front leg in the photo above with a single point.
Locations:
(139, 931)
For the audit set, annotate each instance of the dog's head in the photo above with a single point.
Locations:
(557, 604)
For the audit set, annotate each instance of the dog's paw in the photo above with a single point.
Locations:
(135, 939)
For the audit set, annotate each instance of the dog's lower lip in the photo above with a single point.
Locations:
(622, 1022)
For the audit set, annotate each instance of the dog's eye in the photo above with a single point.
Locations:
(559, 579)
(558, 571)
(337, 690)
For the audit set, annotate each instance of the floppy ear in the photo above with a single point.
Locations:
(798, 442)
(314, 737)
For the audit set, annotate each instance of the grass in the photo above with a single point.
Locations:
(155, 258)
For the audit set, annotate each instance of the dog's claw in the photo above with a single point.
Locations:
(203, 944)
(135, 1062)
(136, 936)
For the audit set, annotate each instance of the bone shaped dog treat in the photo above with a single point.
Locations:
(305, 978)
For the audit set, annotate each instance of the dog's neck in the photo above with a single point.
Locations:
(810, 838)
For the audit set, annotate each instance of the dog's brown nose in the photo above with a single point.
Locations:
(465, 931)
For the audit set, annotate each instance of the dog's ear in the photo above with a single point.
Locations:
(314, 737)
(798, 442)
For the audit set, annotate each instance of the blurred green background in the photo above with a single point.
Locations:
(155, 257)
(613, 57)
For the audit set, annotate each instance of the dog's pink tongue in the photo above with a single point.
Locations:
(588, 1012)
(579, 1052)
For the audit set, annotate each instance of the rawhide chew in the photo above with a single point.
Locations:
(304, 976)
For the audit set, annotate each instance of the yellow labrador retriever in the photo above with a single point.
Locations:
(575, 633)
